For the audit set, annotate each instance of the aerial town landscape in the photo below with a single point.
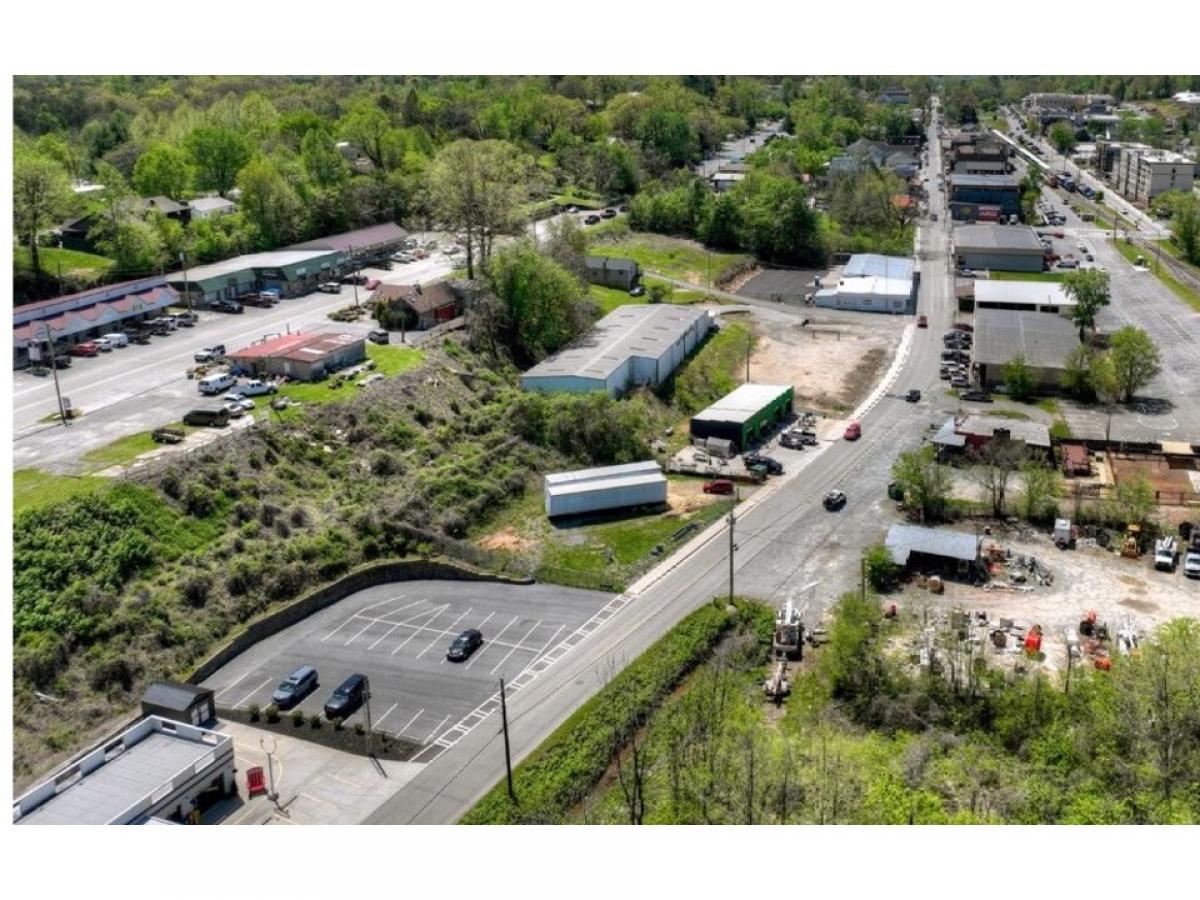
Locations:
(606, 449)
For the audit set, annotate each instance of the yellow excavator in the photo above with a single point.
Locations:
(1132, 548)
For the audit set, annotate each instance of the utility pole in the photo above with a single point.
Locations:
(187, 292)
(749, 347)
(512, 795)
(62, 413)
(367, 712)
(355, 279)
(272, 794)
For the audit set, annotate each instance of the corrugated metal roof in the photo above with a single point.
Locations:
(1044, 340)
(303, 347)
(605, 484)
(948, 437)
(890, 267)
(1035, 434)
(903, 540)
(276, 259)
(626, 332)
(997, 237)
(997, 181)
(173, 694)
(359, 239)
(601, 472)
(743, 403)
(1033, 293)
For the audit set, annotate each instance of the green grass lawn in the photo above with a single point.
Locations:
(388, 360)
(671, 257)
(1182, 291)
(33, 488)
(73, 262)
(1025, 276)
(121, 451)
(609, 299)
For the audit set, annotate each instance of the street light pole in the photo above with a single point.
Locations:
(62, 413)
(367, 712)
(187, 291)
(732, 548)
(512, 795)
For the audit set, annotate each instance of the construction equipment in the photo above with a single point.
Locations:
(789, 633)
(1131, 548)
(1033, 641)
(777, 686)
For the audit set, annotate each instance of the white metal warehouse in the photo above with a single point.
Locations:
(631, 346)
(870, 282)
(608, 487)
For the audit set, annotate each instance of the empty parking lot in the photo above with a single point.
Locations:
(397, 635)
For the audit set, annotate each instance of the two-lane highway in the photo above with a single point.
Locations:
(786, 541)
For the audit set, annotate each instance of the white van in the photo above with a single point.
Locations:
(117, 339)
(217, 384)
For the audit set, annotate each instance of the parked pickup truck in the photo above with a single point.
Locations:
(254, 387)
(215, 353)
(1166, 554)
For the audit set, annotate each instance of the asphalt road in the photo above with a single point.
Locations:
(397, 635)
(737, 149)
(787, 546)
(139, 387)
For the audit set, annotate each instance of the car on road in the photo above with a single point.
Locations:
(228, 306)
(187, 319)
(853, 431)
(372, 283)
(758, 461)
(922, 322)
(592, 220)
(214, 353)
(976, 396)
(86, 348)
(347, 698)
(1068, 264)
(295, 687)
(608, 214)
(965, 273)
(104, 344)
(834, 500)
(353, 279)
(960, 381)
(329, 287)
(913, 396)
(464, 645)
(718, 486)
(378, 336)
(637, 291)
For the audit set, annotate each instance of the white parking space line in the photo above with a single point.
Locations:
(266, 681)
(410, 721)
(394, 625)
(359, 613)
(488, 644)
(231, 684)
(433, 733)
(514, 649)
(436, 638)
(379, 721)
(437, 611)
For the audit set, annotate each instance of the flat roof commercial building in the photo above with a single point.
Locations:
(1027, 296)
(744, 416)
(607, 487)
(1008, 248)
(1142, 173)
(301, 356)
(291, 272)
(87, 314)
(158, 769)
(976, 432)
(633, 345)
(363, 245)
(1044, 341)
(871, 282)
(970, 192)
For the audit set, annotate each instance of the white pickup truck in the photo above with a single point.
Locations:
(254, 387)
(1166, 554)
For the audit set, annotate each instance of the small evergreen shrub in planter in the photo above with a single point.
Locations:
(272, 713)
(359, 729)
(297, 718)
(338, 724)
(255, 712)
(314, 720)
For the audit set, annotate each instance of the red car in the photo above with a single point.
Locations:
(720, 486)
(853, 431)
(963, 326)
(371, 284)
(86, 348)
(922, 322)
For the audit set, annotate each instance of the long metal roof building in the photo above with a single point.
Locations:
(606, 487)
(904, 540)
(632, 345)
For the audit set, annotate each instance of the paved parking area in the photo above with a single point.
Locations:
(780, 284)
(397, 635)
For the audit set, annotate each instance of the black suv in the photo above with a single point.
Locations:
(757, 461)
(227, 306)
(464, 645)
(347, 698)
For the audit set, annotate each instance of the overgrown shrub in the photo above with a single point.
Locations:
(297, 717)
(195, 589)
(198, 500)
(255, 712)
(272, 713)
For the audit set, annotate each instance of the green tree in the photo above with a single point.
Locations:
(269, 204)
(1135, 359)
(323, 164)
(371, 130)
(1062, 136)
(778, 225)
(723, 224)
(163, 170)
(477, 188)
(567, 245)
(1077, 372)
(218, 153)
(1134, 499)
(881, 571)
(1107, 386)
(1185, 227)
(1019, 378)
(1089, 288)
(543, 303)
(1040, 487)
(668, 141)
(135, 245)
(41, 194)
(926, 482)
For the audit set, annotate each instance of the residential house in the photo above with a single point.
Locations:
(612, 271)
(426, 306)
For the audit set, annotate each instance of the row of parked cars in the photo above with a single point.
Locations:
(135, 334)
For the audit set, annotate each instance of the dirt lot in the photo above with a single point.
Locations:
(687, 496)
(1087, 578)
(831, 367)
